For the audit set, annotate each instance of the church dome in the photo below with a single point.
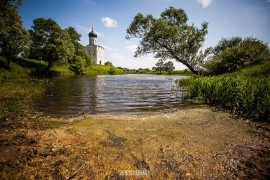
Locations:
(92, 34)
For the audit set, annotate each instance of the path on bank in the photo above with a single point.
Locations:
(192, 143)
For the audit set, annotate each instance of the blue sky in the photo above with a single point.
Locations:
(111, 18)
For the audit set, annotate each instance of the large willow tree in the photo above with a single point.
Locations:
(169, 37)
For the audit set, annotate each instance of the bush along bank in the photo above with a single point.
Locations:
(246, 96)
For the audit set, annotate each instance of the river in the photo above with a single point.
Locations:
(110, 94)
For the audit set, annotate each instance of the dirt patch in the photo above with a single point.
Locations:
(192, 143)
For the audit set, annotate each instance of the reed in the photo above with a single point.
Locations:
(246, 96)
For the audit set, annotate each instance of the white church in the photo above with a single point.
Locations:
(94, 50)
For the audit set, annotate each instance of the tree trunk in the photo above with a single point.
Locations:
(50, 64)
(8, 58)
(181, 61)
(188, 66)
(6, 54)
(8, 63)
(193, 70)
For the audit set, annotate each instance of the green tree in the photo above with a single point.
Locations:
(74, 35)
(169, 67)
(169, 37)
(108, 63)
(233, 54)
(224, 44)
(81, 59)
(159, 66)
(14, 39)
(50, 43)
(78, 66)
(80, 51)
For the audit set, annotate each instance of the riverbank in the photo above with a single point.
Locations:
(23, 68)
(191, 143)
(30, 68)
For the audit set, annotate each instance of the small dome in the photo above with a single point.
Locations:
(92, 34)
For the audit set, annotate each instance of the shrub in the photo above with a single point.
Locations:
(233, 54)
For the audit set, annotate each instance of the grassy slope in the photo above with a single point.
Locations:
(19, 69)
(96, 69)
(261, 71)
(25, 68)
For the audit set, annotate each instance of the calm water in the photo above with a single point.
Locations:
(110, 94)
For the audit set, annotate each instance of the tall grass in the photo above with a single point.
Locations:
(247, 96)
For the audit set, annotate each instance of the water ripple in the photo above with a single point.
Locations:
(105, 93)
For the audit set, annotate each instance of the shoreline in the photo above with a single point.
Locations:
(190, 143)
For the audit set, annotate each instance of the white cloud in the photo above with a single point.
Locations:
(205, 3)
(132, 48)
(109, 22)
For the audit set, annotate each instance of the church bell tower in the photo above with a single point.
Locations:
(92, 37)
(94, 50)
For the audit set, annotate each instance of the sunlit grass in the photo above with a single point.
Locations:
(246, 92)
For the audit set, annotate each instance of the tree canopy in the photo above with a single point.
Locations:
(50, 43)
(169, 67)
(161, 66)
(235, 53)
(169, 37)
(73, 34)
(14, 39)
(80, 59)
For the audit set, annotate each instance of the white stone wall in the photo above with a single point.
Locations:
(96, 52)
(92, 41)
(100, 55)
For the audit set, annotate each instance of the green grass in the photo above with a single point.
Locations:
(17, 96)
(29, 68)
(96, 69)
(16, 71)
(23, 68)
(261, 71)
(246, 92)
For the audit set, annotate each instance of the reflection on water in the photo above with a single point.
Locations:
(106, 93)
